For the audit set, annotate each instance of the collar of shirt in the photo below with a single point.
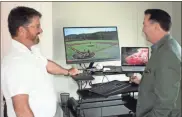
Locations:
(36, 49)
(20, 46)
(160, 42)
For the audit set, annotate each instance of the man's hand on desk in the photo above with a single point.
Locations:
(136, 78)
(73, 71)
(56, 69)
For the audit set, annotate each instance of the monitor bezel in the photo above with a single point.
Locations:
(96, 60)
(133, 47)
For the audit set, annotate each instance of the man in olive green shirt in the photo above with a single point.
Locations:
(160, 86)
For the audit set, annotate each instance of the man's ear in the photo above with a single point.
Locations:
(21, 30)
(157, 26)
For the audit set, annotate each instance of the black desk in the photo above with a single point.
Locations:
(114, 70)
(98, 108)
(102, 108)
(86, 94)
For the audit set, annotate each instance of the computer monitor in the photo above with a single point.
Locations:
(134, 56)
(91, 44)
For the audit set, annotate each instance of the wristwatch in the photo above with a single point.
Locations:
(68, 73)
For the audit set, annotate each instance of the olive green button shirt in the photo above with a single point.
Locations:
(160, 90)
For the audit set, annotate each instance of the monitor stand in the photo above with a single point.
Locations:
(90, 68)
(90, 65)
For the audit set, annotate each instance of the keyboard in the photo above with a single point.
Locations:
(111, 87)
(83, 76)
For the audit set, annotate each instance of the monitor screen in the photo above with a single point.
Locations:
(91, 44)
(134, 56)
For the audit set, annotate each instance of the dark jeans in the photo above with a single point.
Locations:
(131, 102)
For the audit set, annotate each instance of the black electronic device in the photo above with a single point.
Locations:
(91, 44)
(134, 59)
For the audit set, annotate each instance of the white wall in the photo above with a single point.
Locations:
(127, 16)
(176, 11)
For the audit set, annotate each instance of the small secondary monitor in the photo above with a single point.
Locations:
(134, 56)
(91, 44)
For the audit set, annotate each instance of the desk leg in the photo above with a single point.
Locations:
(79, 83)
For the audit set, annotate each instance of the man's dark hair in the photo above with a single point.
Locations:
(160, 16)
(20, 16)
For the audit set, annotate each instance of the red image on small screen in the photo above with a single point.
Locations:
(135, 56)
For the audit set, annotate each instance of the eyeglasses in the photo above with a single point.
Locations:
(33, 26)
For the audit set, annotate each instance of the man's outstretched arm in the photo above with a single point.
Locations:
(56, 69)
